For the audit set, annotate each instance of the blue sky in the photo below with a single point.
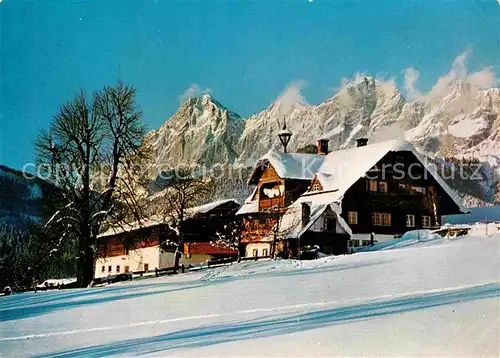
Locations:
(245, 52)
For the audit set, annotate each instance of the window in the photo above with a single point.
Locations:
(255, 253)
(329, 223)
(382, 187)
(352, 217)
(103, 269)
(109, 268)
(117, 268)
(146, 267)
(271, 190)
(426, 221)
(127, 269)
(264, 252)
(410, 220)
(372, 185)
(381, 219)
(306, 214)
(316, 187)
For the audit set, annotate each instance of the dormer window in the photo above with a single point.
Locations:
(316, 187)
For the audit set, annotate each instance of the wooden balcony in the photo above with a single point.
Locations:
(278, 202)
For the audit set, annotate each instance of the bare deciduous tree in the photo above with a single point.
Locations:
(87, 153)
(275, 215)
(184, 190)
(431, 203)
(229, 237)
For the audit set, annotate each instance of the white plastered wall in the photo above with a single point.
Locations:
(135, 260)
(259, 247)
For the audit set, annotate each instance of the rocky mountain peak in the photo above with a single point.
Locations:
(203, 101)
(204, 132)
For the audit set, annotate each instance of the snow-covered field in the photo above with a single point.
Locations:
(439, 298)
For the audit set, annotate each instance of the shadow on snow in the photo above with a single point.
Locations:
(41, 309)
(27, 299)
(36, 304)
(277, 272)
(283, 324)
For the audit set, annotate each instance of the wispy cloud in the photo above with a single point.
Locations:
(193, 90)
(482, 79)
(411, 76)
(291, 96)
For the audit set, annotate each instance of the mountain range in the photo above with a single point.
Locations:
(463, 121)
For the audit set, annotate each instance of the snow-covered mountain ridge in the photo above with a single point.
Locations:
(203, 131)
(21, 197)
(463, 121)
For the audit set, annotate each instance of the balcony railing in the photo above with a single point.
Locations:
(272, 202)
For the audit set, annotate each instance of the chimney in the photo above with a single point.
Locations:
(361, 142)
(306, 214)
(322, 146)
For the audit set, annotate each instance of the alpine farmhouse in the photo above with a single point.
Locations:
(330, 199)
(143, 246)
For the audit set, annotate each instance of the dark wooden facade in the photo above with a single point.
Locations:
(274, 195)
(397, 195)
(201, 227)
(259, 225)
(403, 189)
(122, 243)
(328, 242)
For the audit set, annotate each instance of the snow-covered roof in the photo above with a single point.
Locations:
(203, 209)
(291, 165)
(291, 223)
(151, 221)
(341, 169)
(155, 220)
(248, 208)
(250, 205)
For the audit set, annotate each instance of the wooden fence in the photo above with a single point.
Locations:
(208, 265)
